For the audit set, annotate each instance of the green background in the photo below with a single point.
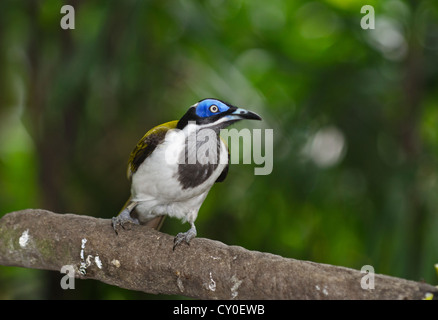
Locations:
(354, 114)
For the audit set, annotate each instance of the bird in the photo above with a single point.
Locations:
(174, 165)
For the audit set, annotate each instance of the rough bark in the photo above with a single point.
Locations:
(142, 259)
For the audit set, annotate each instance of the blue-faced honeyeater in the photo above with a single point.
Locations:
(174, 165)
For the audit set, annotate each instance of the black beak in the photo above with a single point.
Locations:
(240, 113)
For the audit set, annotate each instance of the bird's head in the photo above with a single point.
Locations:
(215, 114)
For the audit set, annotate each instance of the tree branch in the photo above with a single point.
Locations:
(142, 259)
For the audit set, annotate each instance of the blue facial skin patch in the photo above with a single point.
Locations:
(204, 109)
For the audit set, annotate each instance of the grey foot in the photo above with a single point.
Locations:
(184, 236)
(123, 218)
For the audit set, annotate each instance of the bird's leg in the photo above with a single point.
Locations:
(185, 236)
(125, 216)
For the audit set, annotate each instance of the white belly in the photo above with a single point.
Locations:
(156, 188)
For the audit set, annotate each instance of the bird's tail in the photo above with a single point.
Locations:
(154, 223)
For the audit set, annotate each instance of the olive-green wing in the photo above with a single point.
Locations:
(147, 145)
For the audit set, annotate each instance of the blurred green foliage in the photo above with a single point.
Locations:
(354, 114)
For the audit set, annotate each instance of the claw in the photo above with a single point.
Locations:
(184, 236)
(124, 217)
(119, 221)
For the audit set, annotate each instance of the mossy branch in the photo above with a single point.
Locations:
(142, 259)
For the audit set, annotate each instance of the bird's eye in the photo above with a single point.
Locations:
(214, 108)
